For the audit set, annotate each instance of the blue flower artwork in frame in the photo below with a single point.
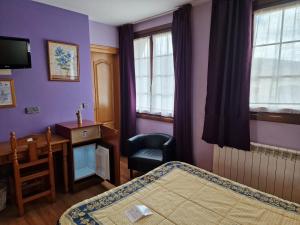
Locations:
(63, 61)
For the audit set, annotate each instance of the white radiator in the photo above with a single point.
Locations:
(267, 168)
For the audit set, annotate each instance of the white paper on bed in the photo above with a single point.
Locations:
(137, 212)
(102, 162)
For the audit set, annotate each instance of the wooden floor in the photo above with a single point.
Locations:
(42, 212)
(124, 172)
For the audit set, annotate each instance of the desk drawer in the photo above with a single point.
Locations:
(85, 134)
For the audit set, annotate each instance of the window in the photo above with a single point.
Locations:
(154, 71)
(275, 75)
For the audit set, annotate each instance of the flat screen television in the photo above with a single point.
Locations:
(14, 53)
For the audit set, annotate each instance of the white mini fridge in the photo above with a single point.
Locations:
(92, 159)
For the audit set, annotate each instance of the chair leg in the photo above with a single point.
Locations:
(52, 182)
(53, 194)
(131, 174)
(19, 199)
(11, 189)
(21, 210)
(19, 194)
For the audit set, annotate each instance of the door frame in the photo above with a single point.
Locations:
(104, 49)
(109, 135)
(116, 81)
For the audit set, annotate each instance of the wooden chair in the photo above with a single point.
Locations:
(32, 165)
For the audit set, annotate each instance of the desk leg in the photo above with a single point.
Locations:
(65, 165)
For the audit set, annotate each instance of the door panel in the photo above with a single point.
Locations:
(105, 92)
(105, 99)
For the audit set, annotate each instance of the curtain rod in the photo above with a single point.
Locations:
(156, 16)
(193, 3)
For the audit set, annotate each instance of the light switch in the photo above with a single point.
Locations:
(32, 110)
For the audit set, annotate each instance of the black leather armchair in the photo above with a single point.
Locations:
(148, 151)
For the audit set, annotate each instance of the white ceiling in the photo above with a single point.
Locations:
(117, 12)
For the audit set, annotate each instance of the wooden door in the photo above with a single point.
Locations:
(106, 86)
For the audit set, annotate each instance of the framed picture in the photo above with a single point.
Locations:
(7, 93)
(63, 61)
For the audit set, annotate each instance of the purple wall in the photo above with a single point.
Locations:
(145, 126)
(103, 34)
(278, 134)
(57, 100)
(201, 29)
(154, 22)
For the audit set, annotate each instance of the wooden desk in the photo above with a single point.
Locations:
(90, 132)
(58, 144)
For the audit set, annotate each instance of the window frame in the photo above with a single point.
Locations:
(262, 4)
(149, 33)
(288, 118)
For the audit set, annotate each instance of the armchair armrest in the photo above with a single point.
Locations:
(168, 148)
(135, 143)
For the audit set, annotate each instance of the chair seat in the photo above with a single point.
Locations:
(146, 159)
(149, 153)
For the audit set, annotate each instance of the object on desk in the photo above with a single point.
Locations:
(137, 212)
(3, 193)
(29, 139)
(79, 114)
(79, 117)
(34, 160)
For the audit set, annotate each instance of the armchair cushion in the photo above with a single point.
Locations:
(148, 154)
(146, 159)
(147, 151)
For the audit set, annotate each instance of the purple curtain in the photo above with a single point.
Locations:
(182, 50)
(227, 101)
(127, 83)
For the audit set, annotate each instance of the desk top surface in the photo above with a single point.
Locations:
(74, 125)
(55, 140)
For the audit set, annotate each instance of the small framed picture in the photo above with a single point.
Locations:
(7, 93)
(63, 61)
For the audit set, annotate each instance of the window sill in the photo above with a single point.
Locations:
(155, 117)
(276, 117)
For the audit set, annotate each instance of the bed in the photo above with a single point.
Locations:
(178, 193)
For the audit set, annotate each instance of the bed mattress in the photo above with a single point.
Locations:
(181, 194)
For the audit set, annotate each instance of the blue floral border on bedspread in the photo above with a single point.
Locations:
(81, 214)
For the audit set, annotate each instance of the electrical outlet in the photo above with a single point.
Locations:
(32, 110)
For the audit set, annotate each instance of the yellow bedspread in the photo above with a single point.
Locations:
(178, 193)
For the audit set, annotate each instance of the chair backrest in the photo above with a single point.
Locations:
(155, 140)
(32, 144)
